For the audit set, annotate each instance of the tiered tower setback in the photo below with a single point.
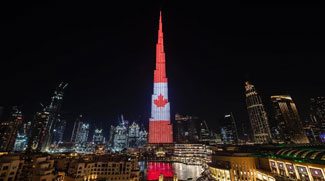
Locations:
(160, 128)
(257, 115)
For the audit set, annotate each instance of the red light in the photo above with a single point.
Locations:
(157, 168)
(161, 102)
(19, 118)
(160, 132)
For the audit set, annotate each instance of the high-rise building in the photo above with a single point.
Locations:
(205, 134)
(142, 140)
(228, 129)
(22, 137)
(160, 127)
(288, 120)
(123, 136)
(53, 118)
(110, 141)
(58, 131)
(76, 127)
(186, 128)
(98, 137)
(9, 130)
(257, 115)
(82, 137)
(120, 136)
(38, 131)
(133, 135)
(317, 118)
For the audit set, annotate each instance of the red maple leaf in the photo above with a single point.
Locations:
(160, 102)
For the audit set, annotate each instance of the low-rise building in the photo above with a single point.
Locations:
(27, 167)
(107, 167)
(9, 167)
(192, 153)
(299, 162)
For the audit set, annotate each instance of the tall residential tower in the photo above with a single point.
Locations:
(160, 128)
(257, 115)
(288, 120)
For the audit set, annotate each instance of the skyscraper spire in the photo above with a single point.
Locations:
(160, 72)
(160, 129)
(160, 32)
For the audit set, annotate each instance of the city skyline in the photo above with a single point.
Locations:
(222, 91)
(99, 65)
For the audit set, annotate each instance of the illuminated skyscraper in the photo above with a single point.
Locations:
(228, 129)
(22, 137)
(186, 129)
(9, 130)
(38, 131)
(317, 118)
(82, 137)
(76, 128)
(53, 119)
(160, 128)
(288, 120)
(257, 115)
(98, 137)
(59, 129)
(133, 135)
(120, 136)
(143, 137)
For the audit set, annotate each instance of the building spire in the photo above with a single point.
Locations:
(160, 32)
(160, 72)
(160, 128)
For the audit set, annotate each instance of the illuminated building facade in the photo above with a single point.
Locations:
(160, 128)
(257, 115)
(308, 164)
(9, 130)
(317, 118)
(22, 137)
(98, 137)
(82, 137)
(133, 135)
(205, 134)
(288, 120)
(143, 137)
(53, 119)
(58, 131)
(99, 167)
(228, 129)
(38, 131)
(120, 136)
(238, 167)
(193, 154)
(123, 136)
(268, 163)
(76, 128)
(186, 128)
(137, 136)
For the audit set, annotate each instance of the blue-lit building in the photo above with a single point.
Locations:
(228, 129)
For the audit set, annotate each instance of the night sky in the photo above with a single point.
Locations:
(106, 52)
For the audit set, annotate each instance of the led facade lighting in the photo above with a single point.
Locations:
(160, 128)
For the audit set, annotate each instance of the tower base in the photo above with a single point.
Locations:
(160, 132)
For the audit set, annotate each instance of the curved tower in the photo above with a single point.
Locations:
(160, 128)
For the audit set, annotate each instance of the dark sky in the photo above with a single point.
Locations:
(106, 52)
